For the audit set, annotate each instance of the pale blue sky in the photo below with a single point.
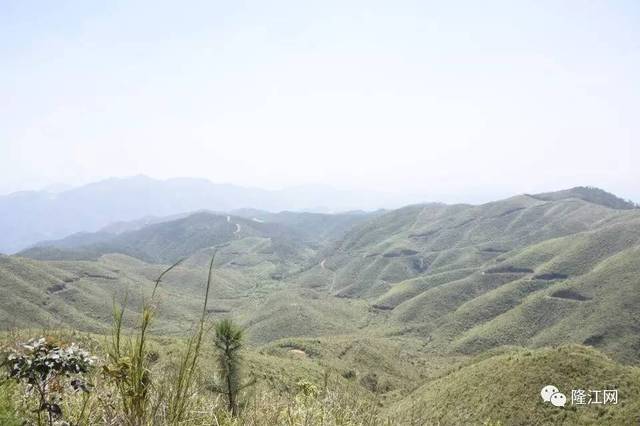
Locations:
(435, 98)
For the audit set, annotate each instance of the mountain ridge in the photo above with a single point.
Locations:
(31, 216)
(588, 193)
(462, 279)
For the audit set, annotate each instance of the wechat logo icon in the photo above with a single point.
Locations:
(551, 394)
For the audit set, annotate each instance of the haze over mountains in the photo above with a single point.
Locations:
(119, 204)
(32, 216)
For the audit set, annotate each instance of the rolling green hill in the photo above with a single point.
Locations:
(80, 294)
(412, 306)
(168, 241)
(289, 234)
(506, 388)
(529, 270)
(313, 227)
(519, 271)
(425, 239)
(591, 194)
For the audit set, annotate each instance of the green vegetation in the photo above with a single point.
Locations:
(179, 401)
(129, 362)
(497, 387)
(505, 387)
(9, 394)
(229, 341)
(45, 366)
(352, 319)
(591, 194)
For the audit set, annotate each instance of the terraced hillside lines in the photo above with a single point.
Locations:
(600, 283)
(80, 294)
(424, 240)
(440, 300)
(25, 293)
(408, 289)
(592, 308)
(461, 279)
(469, 278)
(36, 294)
(485, 390)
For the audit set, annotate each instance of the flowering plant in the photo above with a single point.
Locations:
(46, 366)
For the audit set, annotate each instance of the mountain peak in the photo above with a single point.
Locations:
(590, 194)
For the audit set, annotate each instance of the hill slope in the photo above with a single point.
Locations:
(463, 279)
(590, 194)
(168, 241)
(428, 239)
(506, 388)
(519, 271)
(32, 216)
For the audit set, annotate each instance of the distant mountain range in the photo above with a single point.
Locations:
(479, 306)
(167, 240)
(530, 270)
(32, 216)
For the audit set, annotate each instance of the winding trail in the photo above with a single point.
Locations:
(238, 228)
(333, 280)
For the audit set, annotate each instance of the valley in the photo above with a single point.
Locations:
(411, 306)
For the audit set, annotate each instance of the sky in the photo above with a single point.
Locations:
(474, 99)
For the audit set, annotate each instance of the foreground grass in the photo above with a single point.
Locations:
(281, 396)
(494, 388)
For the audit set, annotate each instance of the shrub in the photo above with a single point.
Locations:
(48, 367)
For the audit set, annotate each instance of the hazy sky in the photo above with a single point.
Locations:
(417, 97)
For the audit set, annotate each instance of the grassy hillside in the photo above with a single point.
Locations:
(287, 234)
(373, 381)
(168, 241)
(32, 216)
(390, 303)
(519, 271)
(506, 388)
(80, 295)
(592, 302)
(423, 240)
(591, 194)
(314, 227)
(463, 278)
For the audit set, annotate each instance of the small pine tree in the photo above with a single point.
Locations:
(229, 340)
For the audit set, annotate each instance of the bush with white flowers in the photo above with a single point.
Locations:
(47, 367)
